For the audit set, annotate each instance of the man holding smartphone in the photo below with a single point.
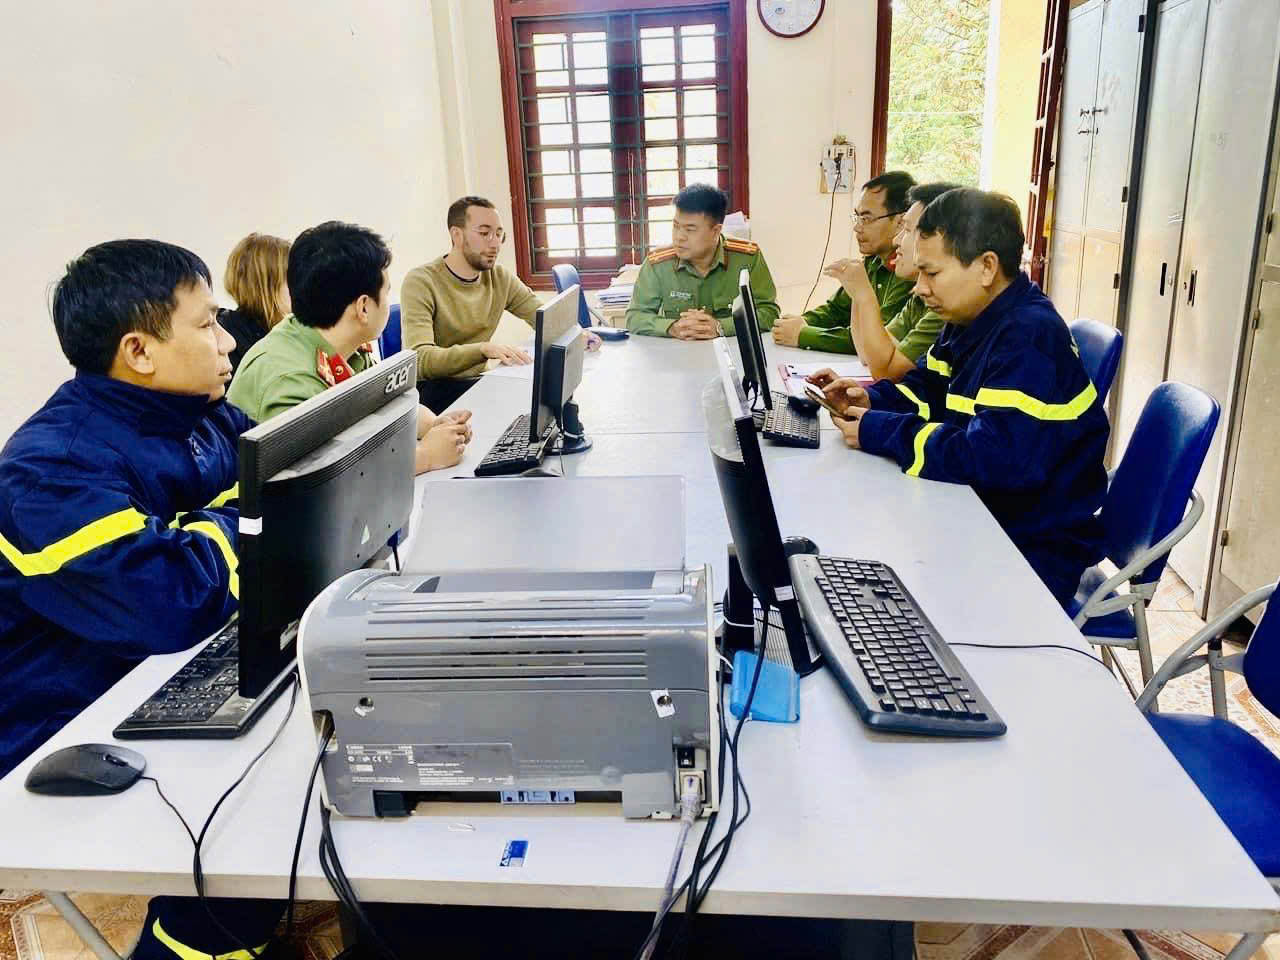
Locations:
(1001, 401)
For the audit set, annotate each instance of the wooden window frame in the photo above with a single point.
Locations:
(880, 103)
(508, 12)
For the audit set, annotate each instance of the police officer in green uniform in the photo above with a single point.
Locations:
(686, 290)
(877, 220)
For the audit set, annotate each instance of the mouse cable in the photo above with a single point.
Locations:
(197, 869)
(395, 552)
(176, 812)
(302, 823)
(1035, 646)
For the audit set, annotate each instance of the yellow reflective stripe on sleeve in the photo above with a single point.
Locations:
(188, 953)
(89, 537)
(921, 406)
(921, 436)
(221, 500)
(936, 365)
(225, 497)
(214, 533)
(1017, 400)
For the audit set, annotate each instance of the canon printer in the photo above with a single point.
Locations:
(511, 686)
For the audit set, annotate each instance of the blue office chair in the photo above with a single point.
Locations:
(565, 275)
(1144, 515)
(1099, 352)
(1237, 774)
(389, 339)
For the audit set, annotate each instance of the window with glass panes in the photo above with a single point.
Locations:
(616, 113)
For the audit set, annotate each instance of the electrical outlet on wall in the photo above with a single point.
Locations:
(838, 166)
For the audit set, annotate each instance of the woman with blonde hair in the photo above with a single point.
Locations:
(255, 279)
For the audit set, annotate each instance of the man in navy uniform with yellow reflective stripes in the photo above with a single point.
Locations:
(686, 290)
(118, 516)
(1001, 400)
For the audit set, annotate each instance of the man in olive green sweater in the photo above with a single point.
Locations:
(450, 307)
(876, 222)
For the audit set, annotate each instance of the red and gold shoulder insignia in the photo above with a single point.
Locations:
(661, 254)
(738, 245)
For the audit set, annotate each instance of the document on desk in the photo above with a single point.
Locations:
(525, 371)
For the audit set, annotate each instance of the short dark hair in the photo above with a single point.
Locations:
(115, 288)
(895, 184)
(703, 198)
(926, 193)
(458, 210)
(330, 266)
(972, 222)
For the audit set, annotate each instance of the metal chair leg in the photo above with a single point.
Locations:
(78, 922)
(1247, 946)
(1144, 641)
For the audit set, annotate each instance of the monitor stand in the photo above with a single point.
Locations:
(573, 436)
(739, 612)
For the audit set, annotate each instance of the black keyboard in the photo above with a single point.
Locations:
(788, 426)
(895, 668)
(512, 453)
(202, 700)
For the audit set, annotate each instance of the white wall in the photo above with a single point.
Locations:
(800, 93)
(197, 122)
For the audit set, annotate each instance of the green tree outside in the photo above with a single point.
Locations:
(937, 81)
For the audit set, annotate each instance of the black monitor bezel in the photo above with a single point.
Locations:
(775, 585)
(540, 427)
(272, 446)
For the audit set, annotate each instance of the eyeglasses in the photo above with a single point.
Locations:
(861, 219)
(486, 235)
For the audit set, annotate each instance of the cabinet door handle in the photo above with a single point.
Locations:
(1164, 272)
(1191, 289)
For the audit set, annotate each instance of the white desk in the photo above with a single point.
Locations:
(847, 823)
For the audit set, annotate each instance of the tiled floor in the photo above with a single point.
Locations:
(30, 930)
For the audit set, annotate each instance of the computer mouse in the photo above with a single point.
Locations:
(86, 770)
(793, 546)
(611, 333)
(802, 404)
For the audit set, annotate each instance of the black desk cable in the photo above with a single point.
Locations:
(197, 840)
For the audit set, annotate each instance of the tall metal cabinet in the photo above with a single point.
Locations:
(1250, 556)
(1208, 142)
(1092, 163)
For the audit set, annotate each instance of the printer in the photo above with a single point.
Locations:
(514, 686)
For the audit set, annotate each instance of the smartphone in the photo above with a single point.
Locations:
(820, 398)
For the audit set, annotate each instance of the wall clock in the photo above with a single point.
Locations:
(790, 18)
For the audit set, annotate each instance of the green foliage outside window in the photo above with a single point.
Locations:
(937, 79)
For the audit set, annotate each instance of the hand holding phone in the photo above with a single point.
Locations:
(820, 398)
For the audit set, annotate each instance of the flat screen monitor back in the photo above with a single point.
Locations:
(554, 319)
(746, 328)
(322, 488)
(748, 504)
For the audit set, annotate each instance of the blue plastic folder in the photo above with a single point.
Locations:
(777, 696)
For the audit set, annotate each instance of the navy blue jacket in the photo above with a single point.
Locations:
(118, 517)
(1005, 405)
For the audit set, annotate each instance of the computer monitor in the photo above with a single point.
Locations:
(323, 487)
(746, 326)
(748, 504)
(558, 346)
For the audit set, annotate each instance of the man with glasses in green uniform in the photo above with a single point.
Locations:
(877, 220)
